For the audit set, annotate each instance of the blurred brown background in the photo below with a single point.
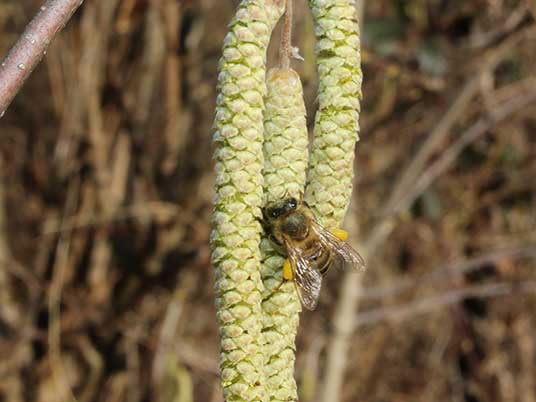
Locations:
(106, 187)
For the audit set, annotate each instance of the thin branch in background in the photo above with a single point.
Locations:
(168, 333)
(172, 19)
(61, 266)
(456, 267)
(475, 131)
(31, 47)
(429, 304)
(150, 211)
(9, 312)
(437, 136)
(514, 20)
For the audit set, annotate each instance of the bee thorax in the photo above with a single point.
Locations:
(295, 226)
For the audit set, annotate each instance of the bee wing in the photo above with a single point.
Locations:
(308, 280)
(346, 257)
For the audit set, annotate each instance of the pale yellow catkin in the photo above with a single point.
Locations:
(239, 197)
(330, 175)
(286, 154)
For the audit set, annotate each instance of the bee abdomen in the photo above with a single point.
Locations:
(321, 258)
(326, 263)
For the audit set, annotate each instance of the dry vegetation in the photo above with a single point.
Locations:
(106, 187)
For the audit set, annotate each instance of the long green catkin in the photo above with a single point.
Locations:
(330, 175)
(239, 196)
(286, 154)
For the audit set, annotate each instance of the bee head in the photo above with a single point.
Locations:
(281, 208)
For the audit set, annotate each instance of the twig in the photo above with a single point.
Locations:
(10, 311)
(95, 362)
(516, 18)
(175, 138)
(31, 47)
(195, 358)
(154, 54)
(63, 388)
(285, 51)
(523, 333)
(168, 334)
(311, 369)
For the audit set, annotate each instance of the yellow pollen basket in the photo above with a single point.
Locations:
(341, 234)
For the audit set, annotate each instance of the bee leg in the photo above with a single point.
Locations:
(287, 271)
(340, 234)
(287, 274)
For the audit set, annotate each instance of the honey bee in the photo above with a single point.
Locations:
(312, 250)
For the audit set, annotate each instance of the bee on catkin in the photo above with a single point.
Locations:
(312, 249)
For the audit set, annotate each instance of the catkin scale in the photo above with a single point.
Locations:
(330, 174)
(236, 231)
(285, 155)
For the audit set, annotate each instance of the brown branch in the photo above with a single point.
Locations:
(31, 47)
